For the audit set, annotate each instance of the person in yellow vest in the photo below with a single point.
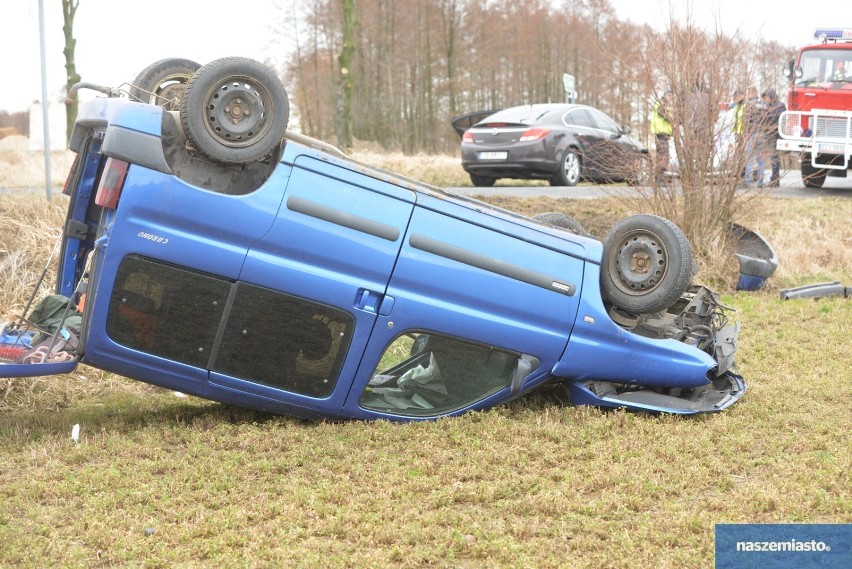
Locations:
(738, 105)
(661, 128)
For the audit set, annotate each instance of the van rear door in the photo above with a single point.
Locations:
(45, 339)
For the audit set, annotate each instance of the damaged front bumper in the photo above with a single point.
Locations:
(717, 395)
(698, 320)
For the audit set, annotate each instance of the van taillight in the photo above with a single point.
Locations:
(112, 181)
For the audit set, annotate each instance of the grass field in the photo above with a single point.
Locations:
(161, 481)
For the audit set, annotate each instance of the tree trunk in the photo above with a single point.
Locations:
(69, 9)
(343, 124)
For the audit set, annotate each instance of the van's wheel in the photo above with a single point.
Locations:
(647, 264)
(235, 110)
(561, 221)
(163, 82)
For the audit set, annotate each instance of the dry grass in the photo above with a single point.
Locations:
(440, 170)
(31, 229)
(160, 481)
(21, 167)
(813, 237)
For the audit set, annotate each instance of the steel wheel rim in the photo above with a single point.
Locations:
(641, 263)
(170, 91)
(237, 111)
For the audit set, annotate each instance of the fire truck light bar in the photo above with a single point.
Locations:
(833, 33)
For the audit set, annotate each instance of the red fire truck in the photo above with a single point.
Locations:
(818, 121)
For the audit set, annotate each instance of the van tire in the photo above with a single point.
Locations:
(235, 111)
(163, 82)
(647, 264)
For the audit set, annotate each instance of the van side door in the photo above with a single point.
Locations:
(311, 289)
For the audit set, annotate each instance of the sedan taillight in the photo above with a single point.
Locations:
(467, 137)
(533, 134)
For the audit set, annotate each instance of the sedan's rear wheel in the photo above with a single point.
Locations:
(642, 172)
(569, 169)
(647, 264)
(482, 181)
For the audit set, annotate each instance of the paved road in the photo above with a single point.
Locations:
(791, 187)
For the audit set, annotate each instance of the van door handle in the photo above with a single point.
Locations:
(368, 300)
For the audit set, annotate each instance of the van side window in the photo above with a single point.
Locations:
(284, 341)
(425, 374)
(167, 311)
(269, 337)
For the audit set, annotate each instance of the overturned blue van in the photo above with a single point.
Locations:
(220, 255)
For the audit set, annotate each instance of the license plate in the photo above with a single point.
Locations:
(828, 148)
(493, 155)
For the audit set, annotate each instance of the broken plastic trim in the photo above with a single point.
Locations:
(717, 395)
(817, 291)
(756, 256)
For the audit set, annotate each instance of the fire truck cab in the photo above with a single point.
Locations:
(818, 121)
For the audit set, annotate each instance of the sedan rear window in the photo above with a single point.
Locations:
(579, 117)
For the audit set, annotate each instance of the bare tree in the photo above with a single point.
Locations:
(344, 80)
(420, 63)
(701, 70)
(69, 10)
(450, 26)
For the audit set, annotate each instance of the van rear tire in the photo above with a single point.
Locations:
(235, 111)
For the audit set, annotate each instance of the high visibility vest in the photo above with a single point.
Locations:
(739, 114)
(659, 125)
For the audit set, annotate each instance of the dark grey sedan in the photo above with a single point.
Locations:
(561, 143)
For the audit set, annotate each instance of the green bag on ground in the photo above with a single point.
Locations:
(47, 315)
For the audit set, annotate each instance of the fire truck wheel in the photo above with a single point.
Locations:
(813, 177)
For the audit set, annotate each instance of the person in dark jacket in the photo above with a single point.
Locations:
(754, 133)
(774, 108)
